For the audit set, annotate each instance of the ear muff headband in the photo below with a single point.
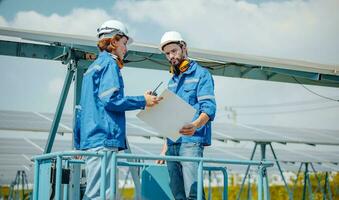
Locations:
(184, 65)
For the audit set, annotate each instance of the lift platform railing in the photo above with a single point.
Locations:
(62, 157)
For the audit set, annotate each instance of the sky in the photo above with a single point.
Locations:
(302, 30)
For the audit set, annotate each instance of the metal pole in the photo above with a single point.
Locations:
(58, 178)
(79, 74)
(225, 196)
(281, 173)
(36, 180)
(296, 180)
(318, 180)
(135, 175)
(325, 188)
(200, 180)
(23, 184)
(209, 185)
(113, 176)
(265, 176)
(249, 191)
(66, 185)
(260, 183)
(247, 170)
(305, 181)
(60, 107)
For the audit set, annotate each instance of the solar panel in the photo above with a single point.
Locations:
(17, 146)
(260, 133)
(34, 121)
(149, 57)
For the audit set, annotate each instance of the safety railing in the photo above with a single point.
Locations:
(62, 157)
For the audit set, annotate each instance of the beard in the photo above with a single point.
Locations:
(175, 62)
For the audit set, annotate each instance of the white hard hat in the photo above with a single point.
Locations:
(113, 27)
(169, 37)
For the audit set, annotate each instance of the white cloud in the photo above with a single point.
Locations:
(3, 21)
(79, 21)
(306, 30)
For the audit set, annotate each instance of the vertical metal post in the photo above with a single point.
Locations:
(281, 173)
(325, 188)
(36, 179)
(134, 173)
(74, 188)
(249, 191)
(58, 178)
(260, 182)
(60, 107)
(200, 180)
(209, 184)
(318, 180)
(225, 194)
(265, 176)
(305, 180)
(79, 73)
(66, 186)
(247, 170)
(23, 184)
(114, 169)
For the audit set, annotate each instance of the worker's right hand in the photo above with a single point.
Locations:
(163, 153)
(160, 162)
(151, 100)
(77, 157)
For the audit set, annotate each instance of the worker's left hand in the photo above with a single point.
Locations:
(188, 129)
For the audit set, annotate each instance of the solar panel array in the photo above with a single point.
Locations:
(24, 134)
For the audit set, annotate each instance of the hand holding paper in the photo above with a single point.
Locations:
(169, 116)
(188, 129)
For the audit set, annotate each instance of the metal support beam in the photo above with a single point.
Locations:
(209, 185)
(28, 50)
(265, 176)
(247, 170)
(60, 107)
(249, 191)
(260, 182)
(307, 183)
(296, 180)
(113, 188)
(281, 173)
(318, 180)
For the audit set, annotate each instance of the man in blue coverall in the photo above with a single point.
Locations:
(100, 118)
(194, 85)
